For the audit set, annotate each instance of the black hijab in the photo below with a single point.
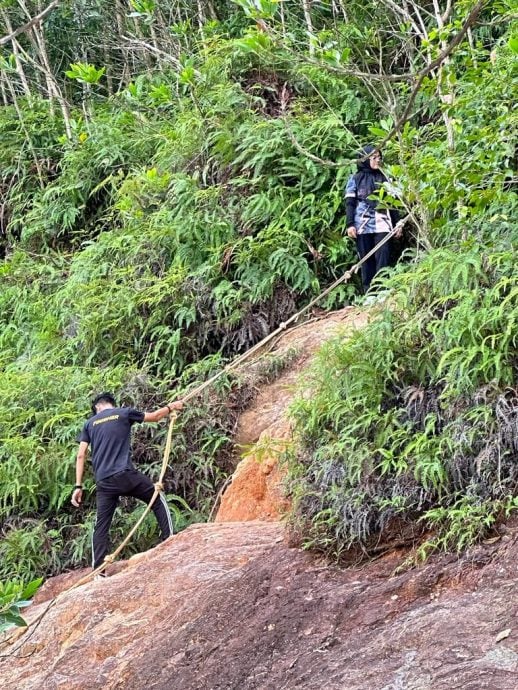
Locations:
(367, 180)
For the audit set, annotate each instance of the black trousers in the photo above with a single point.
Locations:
(126, 483)
(380, 259)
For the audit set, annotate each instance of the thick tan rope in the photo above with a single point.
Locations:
(282, 326)
(193, 393)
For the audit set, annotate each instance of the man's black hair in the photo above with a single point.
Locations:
(103, 397)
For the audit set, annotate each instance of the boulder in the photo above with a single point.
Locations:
(231, 606)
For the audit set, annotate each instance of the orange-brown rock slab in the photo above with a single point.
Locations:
(232, 607)
(272, 401)
(256, 492)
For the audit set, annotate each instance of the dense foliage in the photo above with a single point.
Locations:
(413, 427)
(420, 434)
(171, 189)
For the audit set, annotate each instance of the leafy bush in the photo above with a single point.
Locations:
(13, 597)
(412, 424)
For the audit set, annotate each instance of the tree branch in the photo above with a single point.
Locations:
(468, 23)
(371, 76)
(137, 43)
(406, 115)
(35, 20)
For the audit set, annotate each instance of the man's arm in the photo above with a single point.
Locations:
(77, 496)
(162, 412)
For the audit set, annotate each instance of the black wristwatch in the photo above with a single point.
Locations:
(78, 486)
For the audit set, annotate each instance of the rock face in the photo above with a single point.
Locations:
(233, 607)
(256, 489)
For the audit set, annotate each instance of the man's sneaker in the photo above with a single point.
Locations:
(100, 576)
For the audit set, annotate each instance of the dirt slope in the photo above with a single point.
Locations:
(231, 606)
(256, 489)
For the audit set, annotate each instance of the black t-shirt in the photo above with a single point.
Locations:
(108, 433)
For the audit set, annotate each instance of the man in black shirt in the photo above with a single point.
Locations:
(108, 434)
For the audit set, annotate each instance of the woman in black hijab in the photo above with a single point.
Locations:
(367, 224)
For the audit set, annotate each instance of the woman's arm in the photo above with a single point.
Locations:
(351, 201)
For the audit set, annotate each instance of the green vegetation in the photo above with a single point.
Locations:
(413, 427)
(15, 596)
(420, 433)
(171, 190)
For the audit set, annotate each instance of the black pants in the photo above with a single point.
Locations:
(379, 260)
(126, 483)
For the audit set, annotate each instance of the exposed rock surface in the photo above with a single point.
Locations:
(256, 489)
(232, 607)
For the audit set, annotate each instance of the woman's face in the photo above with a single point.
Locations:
(375, 160)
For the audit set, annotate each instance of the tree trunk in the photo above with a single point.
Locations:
(19, 67)
(37, 31)
(200, 15)
(306, 6)
(28, 139)
(125, 74)
(444, 85)
(5, 99)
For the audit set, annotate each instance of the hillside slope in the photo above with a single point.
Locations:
(233, 605)
(227, 606)
(172, 189)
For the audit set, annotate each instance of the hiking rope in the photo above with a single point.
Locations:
(110, 558)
